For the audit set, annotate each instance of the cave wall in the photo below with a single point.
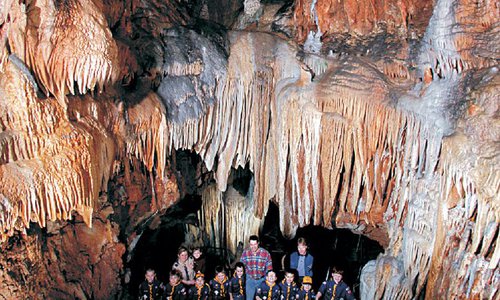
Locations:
(376, 116)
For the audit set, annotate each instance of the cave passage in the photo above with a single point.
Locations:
(330, 247)
(157, 246)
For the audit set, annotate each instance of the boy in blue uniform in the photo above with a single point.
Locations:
(289, 289)
(219, 286)
(335, 289)
(306, 292)
(201, 290)
(237, 284)
(150, 289)
(268, 290)
(174, 289)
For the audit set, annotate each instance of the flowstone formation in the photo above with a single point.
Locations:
(376, 116)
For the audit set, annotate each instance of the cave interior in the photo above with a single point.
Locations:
(131, 127)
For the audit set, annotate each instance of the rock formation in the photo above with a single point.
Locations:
(376, 116)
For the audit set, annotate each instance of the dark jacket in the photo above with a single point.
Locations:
(237, 287)
(308, 263)
(342, 291)
(177, 292)
(303, 295)
(219, 290)
(263, 291)
(289, 292)
(150, 291)
(199, 294)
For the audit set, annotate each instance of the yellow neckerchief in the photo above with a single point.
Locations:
(173, 288)
(222, 292)
(240, 282)
(270, 293)
(307, 293)
(199, 288)
(334, 289)
(150, 285)
(288, 288)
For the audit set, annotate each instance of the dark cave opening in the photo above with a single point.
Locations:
(337, 247)
(157, 246)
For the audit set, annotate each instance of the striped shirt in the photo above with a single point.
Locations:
(257, 263)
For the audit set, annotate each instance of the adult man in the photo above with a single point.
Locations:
(150, 289)
(257, 262)
(301, 260)
(335, 289)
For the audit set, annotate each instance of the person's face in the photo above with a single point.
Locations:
(150, 276)
(200, 281)
(289, 278)
(183, 256)
(337, 277)
(239, 272)
(196, 254)
(271, 277)
(307, 287)
(221, 276)
(173, 279)
(254, 246)
(302, 249)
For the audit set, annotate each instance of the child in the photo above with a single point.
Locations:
(150, 289)
(335, 289)
(306, 292)
(237, 284)
(268, 290)
(289, 289)
(174, 289)
(199, 260)
(219, 285)
(200, 291)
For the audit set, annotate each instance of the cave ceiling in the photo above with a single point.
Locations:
(381, 117)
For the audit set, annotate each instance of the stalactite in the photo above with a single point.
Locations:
(52, 31)
(49, 169)
(147, 132)
(222, 215)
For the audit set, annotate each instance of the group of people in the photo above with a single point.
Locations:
(253, 279)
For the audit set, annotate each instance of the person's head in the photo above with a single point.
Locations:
(337, 274)
(289, 276)
(182, 254)
(254, 243)
(220, 274)
(200, 279)
(239, 269)
(307, 283)
(271, 276)
(197, 252)
(150, 275)
(174, 277)
(302, 246)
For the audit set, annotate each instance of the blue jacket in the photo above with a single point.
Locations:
(335, 291)
(308, 263)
